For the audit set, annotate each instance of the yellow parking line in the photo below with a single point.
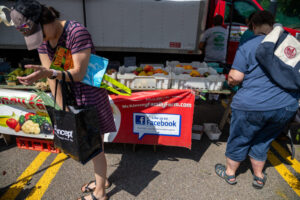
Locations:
(42, 185)
(25, 177)
(284, 154)
(284, 172)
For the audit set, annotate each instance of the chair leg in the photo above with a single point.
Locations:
(292, 144)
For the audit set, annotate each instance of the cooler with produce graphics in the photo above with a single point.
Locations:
(22, 114)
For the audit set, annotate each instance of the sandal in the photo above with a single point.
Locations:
(221, 171)
(93, 197)
(263, 180)
(88, 189)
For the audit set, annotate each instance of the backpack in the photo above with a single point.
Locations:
(279, 56)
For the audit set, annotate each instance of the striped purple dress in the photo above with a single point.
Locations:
(76, 38)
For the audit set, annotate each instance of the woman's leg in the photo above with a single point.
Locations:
(257, 167)
(231, 167)
(100, 168)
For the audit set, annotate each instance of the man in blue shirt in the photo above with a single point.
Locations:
(260, 108)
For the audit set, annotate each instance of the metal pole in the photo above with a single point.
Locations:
(273, 7)
(84, 13)
(230, 25)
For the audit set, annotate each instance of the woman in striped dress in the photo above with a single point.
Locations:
(43, 30)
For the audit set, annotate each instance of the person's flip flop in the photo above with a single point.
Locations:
(221, 172)
(87, 189)
(93, 197)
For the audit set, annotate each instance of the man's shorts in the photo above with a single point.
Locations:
(251, 132)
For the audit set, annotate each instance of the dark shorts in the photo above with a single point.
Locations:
(251, 132)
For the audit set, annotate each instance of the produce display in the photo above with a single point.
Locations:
(30, 123)
(110, 71)
(149, 70)
(12, 76)
(145, 77)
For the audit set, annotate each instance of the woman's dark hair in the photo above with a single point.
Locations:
(218, 20)
(48, 15)
(262, 17)
(250, 21)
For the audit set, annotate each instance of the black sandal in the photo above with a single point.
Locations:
(263, 180)
(87, 189)
(221, 171)
(93, 197)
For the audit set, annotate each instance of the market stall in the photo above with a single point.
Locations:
(159, 112)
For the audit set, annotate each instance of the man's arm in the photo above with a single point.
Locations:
(201, 47)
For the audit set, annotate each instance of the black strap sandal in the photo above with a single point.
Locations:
(93, 197)
(263, 180)
(221, 171)
(87, 188)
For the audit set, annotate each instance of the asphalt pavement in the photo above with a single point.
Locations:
(169, 173)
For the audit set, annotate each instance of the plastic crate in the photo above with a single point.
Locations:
(134, 82)
(36, 144)
(195, 64)
(212, 131)
(185, 81)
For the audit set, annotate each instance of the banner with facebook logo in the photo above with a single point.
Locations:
(156, 124)
(160, 117)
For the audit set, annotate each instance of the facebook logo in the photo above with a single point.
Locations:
(140, 119)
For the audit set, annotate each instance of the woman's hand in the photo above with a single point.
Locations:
(39, 73)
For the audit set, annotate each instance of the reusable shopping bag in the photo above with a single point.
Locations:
(279, 56)
(95, 74)
(76, 131)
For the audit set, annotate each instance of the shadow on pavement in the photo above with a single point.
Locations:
(135, 170)
(4, 146)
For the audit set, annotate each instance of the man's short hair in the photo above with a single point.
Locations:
(218, 20)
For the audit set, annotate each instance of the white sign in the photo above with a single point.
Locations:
(156, 124)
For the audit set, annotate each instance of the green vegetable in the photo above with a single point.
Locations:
(38, 119)
(22, 120)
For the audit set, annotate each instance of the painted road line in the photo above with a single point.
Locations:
(284, 172)
(284, 154)
(25, 177)
(44, 182)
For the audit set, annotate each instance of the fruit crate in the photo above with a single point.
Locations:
(195, 64)
(181, 79)
(135, 82)
(36, 144)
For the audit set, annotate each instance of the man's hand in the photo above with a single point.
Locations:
(39, 73)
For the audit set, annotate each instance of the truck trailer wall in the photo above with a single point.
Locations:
(131, 25)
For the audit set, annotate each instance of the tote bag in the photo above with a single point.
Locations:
(279, 56)
(76, 131)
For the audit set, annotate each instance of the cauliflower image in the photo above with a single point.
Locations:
(30, 127)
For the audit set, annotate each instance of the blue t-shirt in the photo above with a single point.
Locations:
(258, 92)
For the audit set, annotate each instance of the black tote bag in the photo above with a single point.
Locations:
(76, 132)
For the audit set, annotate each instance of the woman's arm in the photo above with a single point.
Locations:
(45, 61)
(235, 77)
(80, 61)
